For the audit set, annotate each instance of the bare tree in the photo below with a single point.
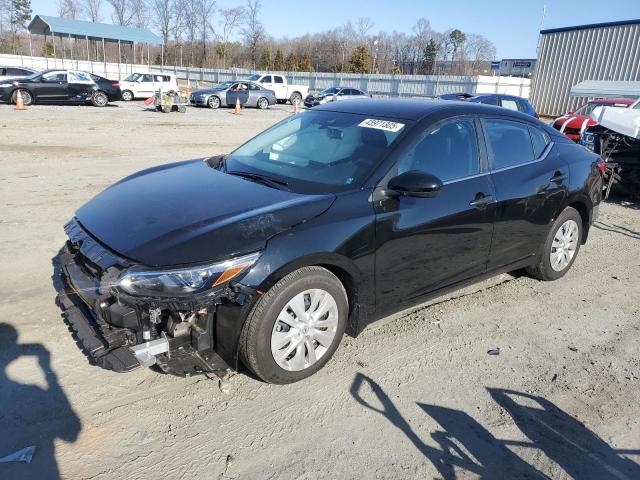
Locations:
(92, 9)
(363, 26)
(122, 14)
(139, 13)
(68, 9)
(161, 13)
(206, 9)
(253, 31)
(231, 18)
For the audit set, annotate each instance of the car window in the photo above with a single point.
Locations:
(3, 72)
(267, 79)
(510, 142)
(489, 101)
(448, 151)
(55, 77)
(80, 77)
(539, 140)
(17, 71)
(253, 86)
(278, 79)
(146, 78)
(509, 104)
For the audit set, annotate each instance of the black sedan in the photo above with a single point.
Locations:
(60, 87)
(324, 223)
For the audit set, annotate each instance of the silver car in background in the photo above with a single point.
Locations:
(250, 94)
(334, 94)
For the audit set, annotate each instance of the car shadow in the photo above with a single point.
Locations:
(463, 444)
(617, 229)
(31, 414)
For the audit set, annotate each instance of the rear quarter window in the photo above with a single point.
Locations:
(539, 140)
(510, 143)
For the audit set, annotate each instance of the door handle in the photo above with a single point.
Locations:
(558, 178)
(481, 200)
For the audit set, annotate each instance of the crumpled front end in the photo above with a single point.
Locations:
(121, 332)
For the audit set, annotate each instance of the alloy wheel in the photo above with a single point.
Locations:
(565, 243)
(304, 330)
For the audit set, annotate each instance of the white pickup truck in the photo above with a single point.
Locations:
(283, 90)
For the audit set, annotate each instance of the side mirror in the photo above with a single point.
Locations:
(414, 184)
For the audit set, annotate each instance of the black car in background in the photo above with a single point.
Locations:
(60, 87)
(318, 226)
(10, 73)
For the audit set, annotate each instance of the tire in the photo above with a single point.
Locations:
(27, 98)
(262, 103)
(546, 268)
(264, 324)
(213, 102)
(127, 95)
(295, 98)
(99, 99)
(166, 108)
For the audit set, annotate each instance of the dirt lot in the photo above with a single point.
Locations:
(418, 397)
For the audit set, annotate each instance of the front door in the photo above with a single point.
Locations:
(531, 186)
(238, 91)
(424, 244)
(145, 87)
(53, 87)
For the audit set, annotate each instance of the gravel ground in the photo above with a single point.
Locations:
(417, 397)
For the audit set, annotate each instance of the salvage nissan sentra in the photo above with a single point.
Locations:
(316, 227)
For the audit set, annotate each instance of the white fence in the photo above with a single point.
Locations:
(377, 84)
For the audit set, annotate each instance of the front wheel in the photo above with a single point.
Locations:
(295, 327)
(127, 95)
(213, 102)
(27, 99)
(560, 248)
(295, 98)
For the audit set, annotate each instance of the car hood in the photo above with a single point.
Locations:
(573, 121)
(188, 213)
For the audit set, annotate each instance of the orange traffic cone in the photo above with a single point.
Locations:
(19, 101)
(237, 109)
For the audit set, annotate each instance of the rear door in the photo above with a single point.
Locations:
(531, 186)
(424, 244)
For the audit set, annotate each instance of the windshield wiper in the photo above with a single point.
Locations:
(265, 180)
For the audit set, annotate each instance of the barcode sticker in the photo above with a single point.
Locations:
(381, 125)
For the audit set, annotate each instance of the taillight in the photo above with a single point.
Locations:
(601, 166)
(115, 84)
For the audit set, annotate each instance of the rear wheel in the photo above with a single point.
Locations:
(27, 98)
(295, 327)
(560, 248)
(295, 98)
(127, 95)
(99, 99)
(263, 103)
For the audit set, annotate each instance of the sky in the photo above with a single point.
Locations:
(512, 25)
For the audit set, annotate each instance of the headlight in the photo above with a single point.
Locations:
(183, 281)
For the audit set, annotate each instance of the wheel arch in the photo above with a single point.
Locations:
(584, 208)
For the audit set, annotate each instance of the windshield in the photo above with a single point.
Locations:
(255, 78)
(330, 91)
(133, 77)
(589, 107)
(636, 106)
(318, 151)
(223, 85)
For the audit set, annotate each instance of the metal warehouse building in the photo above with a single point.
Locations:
(604, 51)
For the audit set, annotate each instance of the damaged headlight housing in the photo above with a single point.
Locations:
(182, 282)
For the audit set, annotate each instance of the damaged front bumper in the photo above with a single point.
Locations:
(120, 332)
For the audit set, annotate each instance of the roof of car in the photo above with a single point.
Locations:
(611, 101)
(414, 109)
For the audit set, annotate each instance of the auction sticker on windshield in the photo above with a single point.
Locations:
(381, 125)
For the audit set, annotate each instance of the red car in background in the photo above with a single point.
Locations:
(573, 124)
